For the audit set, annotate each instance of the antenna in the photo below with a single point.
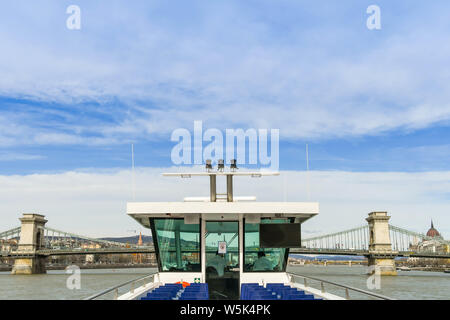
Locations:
(307, 174)
(229, 176)
(133, 184)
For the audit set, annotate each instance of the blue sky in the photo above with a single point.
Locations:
(364, 101)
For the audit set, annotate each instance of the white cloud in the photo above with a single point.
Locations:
(20, 157)
(94, 204)
(225, 65)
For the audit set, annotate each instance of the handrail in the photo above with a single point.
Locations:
(116, 288)
(376, 295)
(334, 234)
(142, 249)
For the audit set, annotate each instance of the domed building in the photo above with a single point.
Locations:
(433, 233)
(435, 241)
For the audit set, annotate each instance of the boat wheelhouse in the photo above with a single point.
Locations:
(232, 246)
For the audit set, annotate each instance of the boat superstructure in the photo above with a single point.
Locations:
(225, 246)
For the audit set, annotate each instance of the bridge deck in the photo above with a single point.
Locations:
(150, 249)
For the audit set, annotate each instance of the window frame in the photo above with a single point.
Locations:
(286, 253)
(158, 252)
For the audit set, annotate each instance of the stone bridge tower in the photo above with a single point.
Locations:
(31, 239)
(381, 255)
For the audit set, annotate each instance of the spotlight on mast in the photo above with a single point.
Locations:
(220, 165)
(208, 165)
(233, 165)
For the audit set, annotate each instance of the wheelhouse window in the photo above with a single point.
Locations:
(226, 232)
(257, 259)
(177, 245)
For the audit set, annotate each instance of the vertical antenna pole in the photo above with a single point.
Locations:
(230, 188)
(307, 174)
(212, 188)
(132, 173)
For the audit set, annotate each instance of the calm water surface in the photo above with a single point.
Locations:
(53, 284)
(407, 285)
(420, 285)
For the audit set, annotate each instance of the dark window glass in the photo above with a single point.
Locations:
(279, 235)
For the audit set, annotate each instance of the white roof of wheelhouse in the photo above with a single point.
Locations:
(142, 210)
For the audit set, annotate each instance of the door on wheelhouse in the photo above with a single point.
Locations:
(222, 259)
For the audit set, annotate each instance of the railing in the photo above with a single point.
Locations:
(346, 289)
(111, 250)
(5, 253)
(135, 283)
(329, 250)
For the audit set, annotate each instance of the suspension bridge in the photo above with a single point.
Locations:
(356, 242)
(59, 243)
(379, 241)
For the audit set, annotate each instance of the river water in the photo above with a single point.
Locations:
(407, 285)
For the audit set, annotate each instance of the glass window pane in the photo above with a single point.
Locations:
(258, 259)
(226, 231)
(178, 245)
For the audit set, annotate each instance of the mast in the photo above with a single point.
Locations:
(133, 182)
(229, 179)
(307, 174)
